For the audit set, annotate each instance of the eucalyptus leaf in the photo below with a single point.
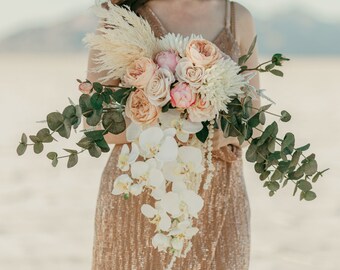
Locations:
(55, 120)
(285, 116)
(309, 195)
(273, 186)
(44, 135)
(52, 155)
(38, 147)
(114, 122)
(85, 143)
(55, 162)
(97, 87)
(72, 160)
(311, 168)
(276, 72)
(95, 118)
(94, 151)
(304, 185)
(21, 149)
(24, 138)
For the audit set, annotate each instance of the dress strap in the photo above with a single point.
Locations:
(227, 17)
(232, 18)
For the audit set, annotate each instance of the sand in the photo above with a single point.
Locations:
(47, 214)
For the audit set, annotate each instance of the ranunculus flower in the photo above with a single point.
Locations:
(139, 109)
(202, 52)
(201, 111)
(182, 95)
(186, 71)
(158, 88)
(140, 72)
(85, 87)
(167, 59)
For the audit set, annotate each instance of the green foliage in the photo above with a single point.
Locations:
(114, 122)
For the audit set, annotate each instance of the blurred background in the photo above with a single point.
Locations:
(47, 214)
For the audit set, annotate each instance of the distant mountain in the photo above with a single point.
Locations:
(290, 32)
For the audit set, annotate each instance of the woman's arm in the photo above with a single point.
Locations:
(94, 77)
(244, 35)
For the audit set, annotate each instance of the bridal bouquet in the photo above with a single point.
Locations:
(177, 91)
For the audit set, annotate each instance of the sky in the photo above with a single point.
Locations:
(18, 14)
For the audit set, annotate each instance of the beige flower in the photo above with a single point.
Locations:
(158, 88)
(201, 111)
(139, 109)
(140, 72)
(187, 72)
(202, 52)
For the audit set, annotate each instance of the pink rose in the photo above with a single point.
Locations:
(139, 109)
(186, 71)
(167, 59)
(140, 72)
(85, 87)
(201, 111)
(202, 52)
(182, 95)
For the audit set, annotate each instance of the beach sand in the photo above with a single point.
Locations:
(47, 214)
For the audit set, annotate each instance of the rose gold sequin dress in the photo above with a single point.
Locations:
(123, 235)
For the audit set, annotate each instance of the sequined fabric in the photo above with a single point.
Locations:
(123, 235)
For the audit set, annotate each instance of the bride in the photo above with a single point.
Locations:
(122, 239)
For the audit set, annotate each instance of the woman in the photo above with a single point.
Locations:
(122, 234)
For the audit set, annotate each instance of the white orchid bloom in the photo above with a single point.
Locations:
(122, 185)
(181, 201)
(161, 242)
(173, 119)
(154, 142)
(189, 161)
(127, 157)
(148, 174)
(137, 189)
(133, 131)
(184, 230)
(158, 216)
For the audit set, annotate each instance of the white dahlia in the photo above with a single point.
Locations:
(176, 42)
(222, 83)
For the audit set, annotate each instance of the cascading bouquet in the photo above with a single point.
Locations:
(177, 91)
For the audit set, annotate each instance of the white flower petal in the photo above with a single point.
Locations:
(165, 222)
(121, 184)
(168, 150)
(193, 201)
(170, 132)
(136, 189)
(161, 241)
(139, 169)
(170, 203)
(148, 211)
(149, 141)
(190, 154)
(171, 171)
(177, 243)
(133, 131)
(134, 153)
(191, 127)
(182, 136)
(156, 177)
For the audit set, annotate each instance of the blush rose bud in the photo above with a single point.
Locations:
(85, 87)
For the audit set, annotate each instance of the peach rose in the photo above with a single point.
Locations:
(167, 59)
(85, 87)
(158, 88)
(201, 111)
(202, 52)
(182, 95)
(186, 71)
(139, 109)
(140, 72)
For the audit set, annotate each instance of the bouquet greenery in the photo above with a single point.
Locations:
(177, 91)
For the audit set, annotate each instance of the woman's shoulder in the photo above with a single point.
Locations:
(244, 22)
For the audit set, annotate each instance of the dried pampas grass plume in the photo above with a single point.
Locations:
(121, 38)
